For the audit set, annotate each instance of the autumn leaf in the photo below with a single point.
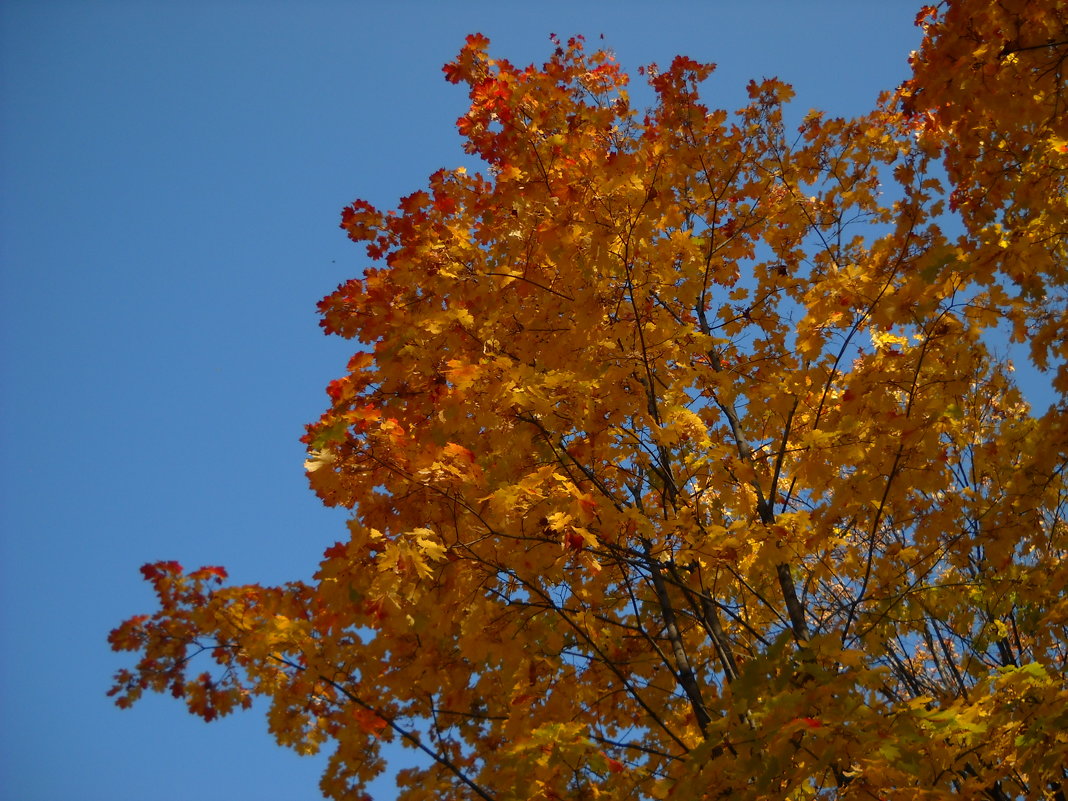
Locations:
(679, 461)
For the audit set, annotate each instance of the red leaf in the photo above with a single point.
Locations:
(335, 551)
(369, 722)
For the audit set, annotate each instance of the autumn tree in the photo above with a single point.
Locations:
(679, 459)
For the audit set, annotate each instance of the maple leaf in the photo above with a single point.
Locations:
(676, 455)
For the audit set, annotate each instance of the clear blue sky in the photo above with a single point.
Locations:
(172, 175)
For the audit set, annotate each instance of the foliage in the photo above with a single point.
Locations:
(678, 463)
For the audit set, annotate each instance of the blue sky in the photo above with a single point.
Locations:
(173, 174)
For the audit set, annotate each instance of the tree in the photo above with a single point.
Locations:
(679, 462)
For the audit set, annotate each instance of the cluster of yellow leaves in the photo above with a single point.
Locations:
(678, 464)
(988, 91)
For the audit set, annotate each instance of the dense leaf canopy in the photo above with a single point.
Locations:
(679, 462)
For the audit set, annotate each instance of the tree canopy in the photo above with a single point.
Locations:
(680, 461)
